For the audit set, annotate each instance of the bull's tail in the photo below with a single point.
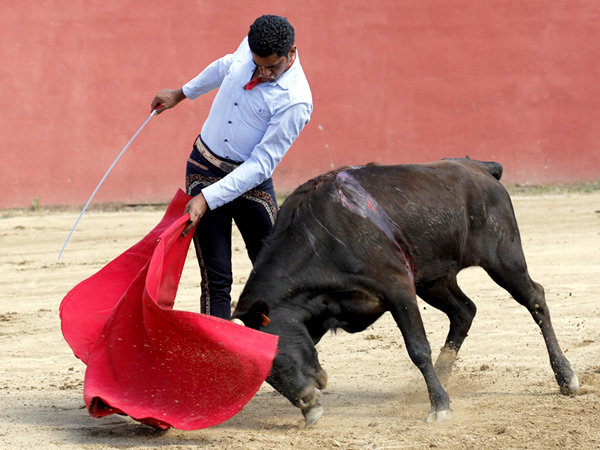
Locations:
(491, 167)
(494, 168)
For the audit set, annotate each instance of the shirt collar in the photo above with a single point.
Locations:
(286, 80)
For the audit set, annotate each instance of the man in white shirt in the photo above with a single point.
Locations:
(263, 103)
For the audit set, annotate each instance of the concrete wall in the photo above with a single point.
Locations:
(394, 81)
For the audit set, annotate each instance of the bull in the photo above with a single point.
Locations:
(356, 242)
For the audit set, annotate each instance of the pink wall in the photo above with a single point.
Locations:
(394, 81)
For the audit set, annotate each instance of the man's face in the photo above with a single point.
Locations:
(271, 67)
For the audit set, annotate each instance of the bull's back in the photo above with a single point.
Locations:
(448, 176)
(438, 193)
(436, 212)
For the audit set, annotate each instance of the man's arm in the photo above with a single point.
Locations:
(167, 99)
(210, 78)
(284, 127)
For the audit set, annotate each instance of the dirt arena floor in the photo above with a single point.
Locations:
(503, 391)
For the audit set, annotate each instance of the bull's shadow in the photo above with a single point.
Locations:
(356, 242)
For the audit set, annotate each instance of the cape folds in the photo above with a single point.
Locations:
(160, 366)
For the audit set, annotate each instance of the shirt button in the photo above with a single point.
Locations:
(229, 121)
(225, 140)
(235, 103)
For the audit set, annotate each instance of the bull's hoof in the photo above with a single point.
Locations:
(571, 387)
(439, 416)
(312, 414)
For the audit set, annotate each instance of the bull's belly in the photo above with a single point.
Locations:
(358, 315)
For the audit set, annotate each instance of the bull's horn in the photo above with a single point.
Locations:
(238, 321)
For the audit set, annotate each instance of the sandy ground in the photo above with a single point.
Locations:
(503, 392)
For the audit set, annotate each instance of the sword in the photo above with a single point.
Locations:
(104, 177)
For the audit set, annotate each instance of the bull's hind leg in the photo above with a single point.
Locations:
(445, 295)
(510, 272)
(402, 303)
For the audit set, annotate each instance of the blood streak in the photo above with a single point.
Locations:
(354, 197)
(371, 206)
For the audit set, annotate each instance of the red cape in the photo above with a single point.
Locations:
(160, 366)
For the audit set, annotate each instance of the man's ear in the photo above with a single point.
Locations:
(292, 52)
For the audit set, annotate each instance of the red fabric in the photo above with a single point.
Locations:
(160, 366)
(256, 81)
(253, 83)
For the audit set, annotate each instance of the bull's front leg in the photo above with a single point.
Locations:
(404, 309)
(297, 375)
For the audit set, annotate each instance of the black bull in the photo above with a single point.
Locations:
(354, 243)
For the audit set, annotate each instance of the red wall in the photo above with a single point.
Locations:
(394, 81)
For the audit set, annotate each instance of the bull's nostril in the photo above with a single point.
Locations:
(302, 404)
(308, 397)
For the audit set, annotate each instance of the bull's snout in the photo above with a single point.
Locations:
(308, 397)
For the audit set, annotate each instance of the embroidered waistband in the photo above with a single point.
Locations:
(225, 166)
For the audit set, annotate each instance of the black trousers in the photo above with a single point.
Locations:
(254, 214)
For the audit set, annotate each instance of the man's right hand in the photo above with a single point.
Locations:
(196, 208)
(167, 98)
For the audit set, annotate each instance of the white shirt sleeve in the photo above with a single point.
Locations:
(282, 130)
(209, 79)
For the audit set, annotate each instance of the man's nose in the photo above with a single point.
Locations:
(266, 73)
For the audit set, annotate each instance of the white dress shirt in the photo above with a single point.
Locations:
(255, 127)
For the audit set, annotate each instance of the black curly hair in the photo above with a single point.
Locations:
(271, 34)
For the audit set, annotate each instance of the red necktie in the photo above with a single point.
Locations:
(252, 83)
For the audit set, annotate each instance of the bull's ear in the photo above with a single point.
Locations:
(258, 314)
